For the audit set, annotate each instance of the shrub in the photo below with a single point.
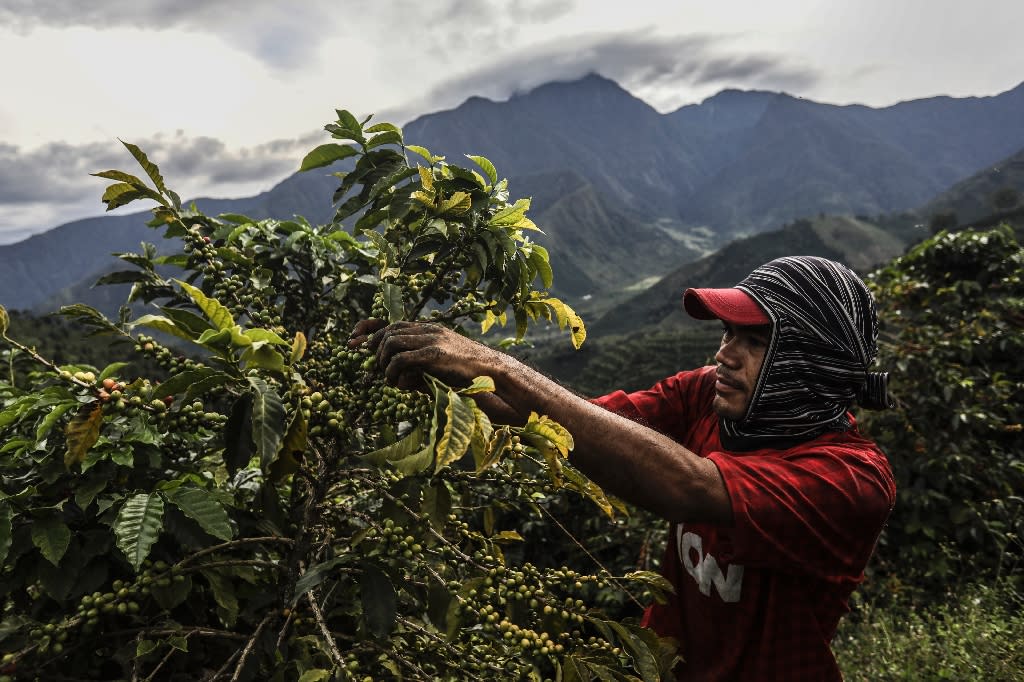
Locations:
(273, 510)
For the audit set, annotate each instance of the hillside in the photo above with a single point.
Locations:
(859, 244)
(620, 189)
(974, 198)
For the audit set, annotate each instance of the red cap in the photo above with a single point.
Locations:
(729, 305)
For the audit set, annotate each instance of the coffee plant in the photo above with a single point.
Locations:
(952, 332)
(272, 509)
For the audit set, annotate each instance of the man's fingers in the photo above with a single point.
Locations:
(405, 368)
(362, 331)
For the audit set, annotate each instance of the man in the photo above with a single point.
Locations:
(775, 498)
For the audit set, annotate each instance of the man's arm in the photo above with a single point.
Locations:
(630, 461)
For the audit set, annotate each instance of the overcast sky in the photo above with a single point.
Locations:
(228, 95)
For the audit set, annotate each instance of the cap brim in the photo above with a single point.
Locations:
(729, 305)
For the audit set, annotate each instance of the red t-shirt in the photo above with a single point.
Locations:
(761, 599)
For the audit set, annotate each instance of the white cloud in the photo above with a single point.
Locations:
(51, 184)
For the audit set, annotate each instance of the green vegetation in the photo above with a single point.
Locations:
(952, 325)
(273, 510)
(265, 507)
(970, 634)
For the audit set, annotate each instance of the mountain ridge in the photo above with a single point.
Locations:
(684, 183)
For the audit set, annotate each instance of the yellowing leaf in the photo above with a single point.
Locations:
(551, 430)
(567, 318)
(510, 215)
(498, 444)
(426, 178)
(82, 432)
(298, 348)
(460, 202)
(481, 384)
(164, 324)
(458, 430)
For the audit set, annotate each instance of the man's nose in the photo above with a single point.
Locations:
(727, 355)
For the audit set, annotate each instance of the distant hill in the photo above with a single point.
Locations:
(623, 192)
(857, 243)
(975, 197)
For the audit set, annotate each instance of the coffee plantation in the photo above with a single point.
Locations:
(266, 507)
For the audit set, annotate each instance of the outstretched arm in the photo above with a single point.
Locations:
(631, 461)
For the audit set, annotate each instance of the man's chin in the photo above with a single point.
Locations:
(723, 408)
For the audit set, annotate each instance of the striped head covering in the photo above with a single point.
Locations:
(824, 339)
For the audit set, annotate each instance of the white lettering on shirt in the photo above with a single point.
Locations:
(705, 571)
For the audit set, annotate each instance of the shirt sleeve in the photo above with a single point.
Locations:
(816, 511)
(668, 406)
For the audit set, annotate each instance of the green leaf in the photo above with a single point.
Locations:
(379, 600)
(214, 311)
(386, 137)
(437, 504)
(203, 508)
(46, 425)
(112, 369)
(500, 442)
(296, 439)
(51, 536)
(382, 127)
(424, 152)
(170, 596)
(257, 334)
(315, 675)
(6, 531)
(138, 526)
(163, 324)
(657, 583)
(643, 659)
(263, 357)
(268, 420)
(223, 588)
(486, 165)
(392, 295)
(145, 647)
(459, 425)
(541, 263)
(120, 176)
(151, 168)
(187, 320)
(325, 155)
(87, 490)
(122, 193)
(590, 489)
(397, 450)
(238, 443)
(183, 381)
(316, 575)
(82, 432)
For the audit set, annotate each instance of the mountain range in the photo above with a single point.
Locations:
(627, 195)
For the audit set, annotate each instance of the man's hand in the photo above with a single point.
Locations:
(407, 350)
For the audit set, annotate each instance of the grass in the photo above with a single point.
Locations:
(976, 633)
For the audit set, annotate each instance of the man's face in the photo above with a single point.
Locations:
(739, 361)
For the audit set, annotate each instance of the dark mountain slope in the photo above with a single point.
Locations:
(854, 242)
(592, 126)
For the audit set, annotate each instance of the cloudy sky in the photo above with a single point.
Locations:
(227, 95)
